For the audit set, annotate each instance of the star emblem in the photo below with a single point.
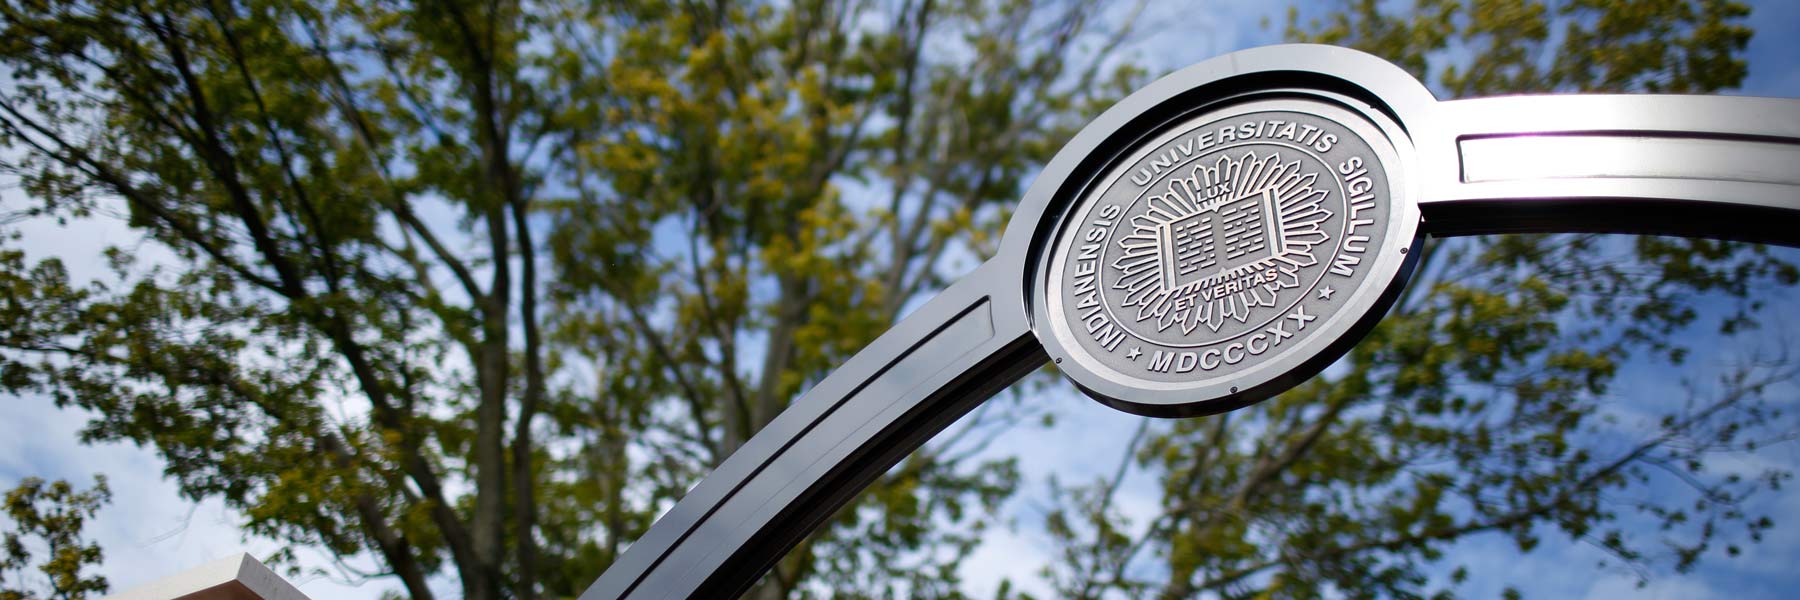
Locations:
(1325, 294)
(1134, 353)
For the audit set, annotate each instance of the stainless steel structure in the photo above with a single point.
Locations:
(1725, 167)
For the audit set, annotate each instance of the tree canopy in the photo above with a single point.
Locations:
(48, 518)
(477, 288)
(473, 291)
(1485, 401)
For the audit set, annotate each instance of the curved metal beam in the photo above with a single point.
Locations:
(1710, 166)
(1684, 165)
(961, 348)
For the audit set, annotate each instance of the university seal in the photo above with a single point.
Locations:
(1229, 256)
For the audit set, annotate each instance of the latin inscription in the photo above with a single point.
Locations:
(1086, 282)
(1207, 138)
(1223, 246)
(1164, 361)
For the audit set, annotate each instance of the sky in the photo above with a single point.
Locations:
(149, 531)
(1558, 568)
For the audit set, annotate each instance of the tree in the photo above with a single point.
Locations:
(289, 155)
(1483, 402)
(790, 185)
(49, 516)
(349, 342)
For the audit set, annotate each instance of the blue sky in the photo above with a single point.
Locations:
(149, 531)
(1556, 569)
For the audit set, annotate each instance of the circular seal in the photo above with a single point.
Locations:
(1228, 258)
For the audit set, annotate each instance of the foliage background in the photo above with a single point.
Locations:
(148, 524)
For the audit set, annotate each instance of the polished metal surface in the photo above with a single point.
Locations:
(1215, 265)
(1204, 245)
(962, 347)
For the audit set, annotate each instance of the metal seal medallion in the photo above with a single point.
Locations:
(1229, 258)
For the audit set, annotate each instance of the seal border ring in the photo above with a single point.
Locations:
(1389, 269)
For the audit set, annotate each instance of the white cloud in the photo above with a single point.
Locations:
(1008, 553)
(148, 531)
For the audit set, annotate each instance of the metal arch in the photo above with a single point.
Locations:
(1711, 166)
(959, 349)
(1726, 167)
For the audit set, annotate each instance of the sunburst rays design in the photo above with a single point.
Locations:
(1222, 242)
